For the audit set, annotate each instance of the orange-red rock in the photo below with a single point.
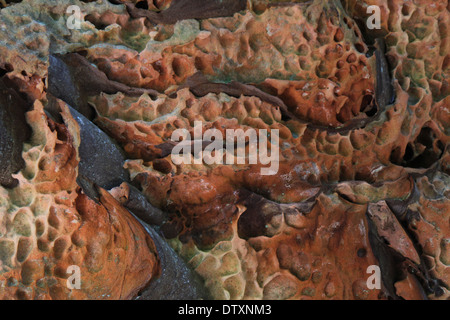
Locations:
(350, 173)
(48, 225)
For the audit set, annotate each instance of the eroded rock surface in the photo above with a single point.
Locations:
(48, 225)
(363, 170)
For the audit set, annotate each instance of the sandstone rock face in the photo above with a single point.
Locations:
(362, 178)
(48, 225)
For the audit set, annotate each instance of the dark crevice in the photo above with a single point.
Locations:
(346, 198)
(7, 68)
(389, 261)
(82, 52)
(368, 37)
(368, 106)
(96, 147)
(141, 207)
(98, 24)
(10, 83)
(14, 131)
(372, 111)
(188, 9)
(89, 188)
(72, 78)
(366, 103)
(409, 153)
(116, 2)
(142, 5)
(252, 222)
(384, 92)
(423, 153)
(176, 281)
(289, 4)
(2, 72)
(8, 3)
(200, 86)
(407, 219)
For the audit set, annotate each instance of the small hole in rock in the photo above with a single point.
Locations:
(372, 111)
(361, 252)
(360, 47)
(366, 103)
(142, 5)
(8, 67)
(409, 153)
(98, 24)
(82, 52)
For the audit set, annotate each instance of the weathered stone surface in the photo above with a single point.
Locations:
(48, 224)
(363, 118)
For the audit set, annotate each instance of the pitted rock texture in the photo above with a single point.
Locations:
(362, 175)
(48, 224)
(309, 57)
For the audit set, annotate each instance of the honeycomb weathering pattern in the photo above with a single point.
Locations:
(48, 224)
(360, 183)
